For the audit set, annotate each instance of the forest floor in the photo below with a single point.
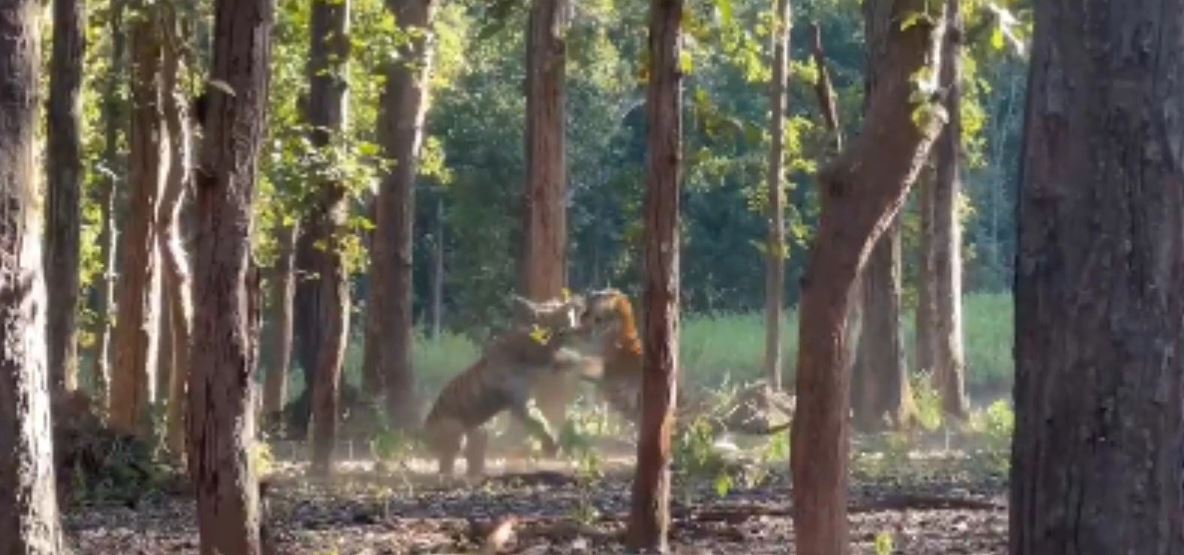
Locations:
(902, 501)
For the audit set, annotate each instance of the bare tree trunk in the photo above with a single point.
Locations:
(389, 323)
(327, 101)
(949, 362)
(824, 90)
(649, 517)
(543, 264)
(28, 498)
(221, 383)
(775, 271)
(113, 116)
(861, 192)
(926, 316)
(1098, 453)
(64, 204)
(132, 387)
(438, 270)
(280, 339)
(880, 385)
(177, 289)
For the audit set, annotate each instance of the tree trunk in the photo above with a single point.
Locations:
(649, 517)
(880, 384)
(949, 363)
(825, 92)
(28, 499)
(389, 323)
(280, 339)
(327, 101)
(221, 383)
(926, 315)
(861, 192)
(113, 119)
(542, 272)
(775, 257)
(1098, 452)
(132, 387)
(64, 204)
(177, 289)
(438, 270)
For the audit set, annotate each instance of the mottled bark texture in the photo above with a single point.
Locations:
(949, 363)
(1098, 453)
(326, 114)
(775, 246)
(279, 338)
(926, 313)
(63, 208)
(136, 328)
(28, 499)
(861, 192)
(221, 382)
(389, 320)
(649, 517)
(542, 268)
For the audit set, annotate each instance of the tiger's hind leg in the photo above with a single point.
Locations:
(476, 444)
(445, 444)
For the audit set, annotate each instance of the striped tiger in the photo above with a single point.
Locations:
(608, 331)
(503, 380)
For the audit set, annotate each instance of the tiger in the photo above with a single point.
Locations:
(503, 379)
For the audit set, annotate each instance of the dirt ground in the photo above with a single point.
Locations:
(546, 508)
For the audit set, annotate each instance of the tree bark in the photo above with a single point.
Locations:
(280, 338)
(649, 518)
(176, 286)
(327, 102)
(776, 255)
(824, 90)
(221, 416)
(926, 315)
(861, 192)
(389, 320)
(28, 499)
(1098, 452)
(113, 119)
(542, 272)
(949, 374)
(880, 384)
(132, 386)
(438, 270)
(64, 203)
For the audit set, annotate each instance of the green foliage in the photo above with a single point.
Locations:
(928, 401)
(997, 425)
(884, 543)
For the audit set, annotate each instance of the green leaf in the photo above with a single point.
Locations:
(997, 39)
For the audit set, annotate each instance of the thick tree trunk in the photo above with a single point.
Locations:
(221, 383)
(649, 517)
(280, 338)
(1098, 453)
(176, 286)
(389, 322)
(64, 203)
(327, 101)
(775, 257)
(861, 192)
(926, 315)
(949, 362)
(113, 121)
(880, 384)
(132, 386)
(28, 499)
(542, 272)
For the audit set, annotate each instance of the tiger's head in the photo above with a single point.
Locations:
(608, 319)
(558, 316)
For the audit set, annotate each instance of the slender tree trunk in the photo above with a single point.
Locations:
(280, 339)
(824, 90)
(1098, 453)
(64, 204)
(221, 383)
(542, 272)
(327, 101)
(389, 323)
(177, 289)
(28, 499)
(438, 270)
(775, 271)
(926, 316)
(113, 117)
(880, 386)
(949, 362)
(649, 517)
(861, 192)
(132, 387)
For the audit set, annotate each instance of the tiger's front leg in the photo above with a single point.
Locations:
(536, 427)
